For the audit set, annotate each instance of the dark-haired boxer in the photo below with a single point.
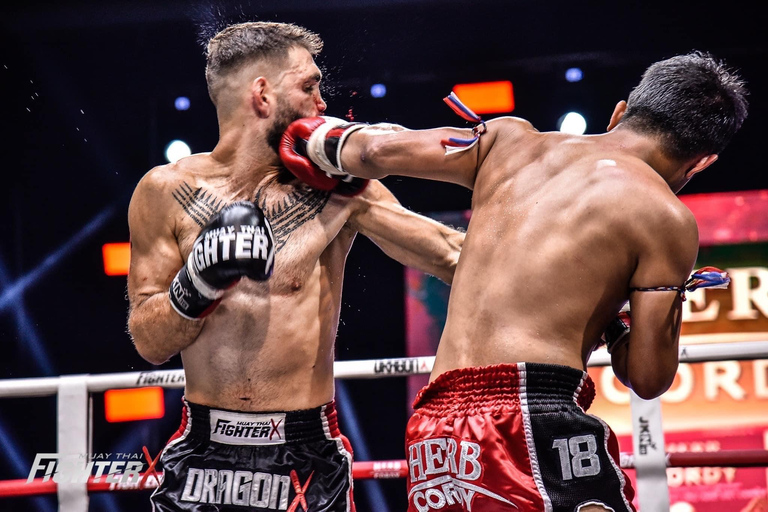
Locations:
(565, 229)
(238, 266)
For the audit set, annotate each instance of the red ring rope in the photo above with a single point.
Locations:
(398, 469)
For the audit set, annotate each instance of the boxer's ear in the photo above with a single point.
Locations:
(261, 97)
(618, 113)
(700, 165)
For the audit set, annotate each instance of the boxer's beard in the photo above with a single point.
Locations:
(284, 116)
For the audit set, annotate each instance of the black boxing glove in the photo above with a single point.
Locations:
(311, 150)
(237, 242)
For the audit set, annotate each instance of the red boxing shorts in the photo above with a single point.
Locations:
(247, 461)
(512, 437)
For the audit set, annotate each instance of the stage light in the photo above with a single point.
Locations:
(573, 123)
(378, 90)
(574, 74)
(177, 149)
(117, 258)
(134, 404)
(487, 97)
(181, 103)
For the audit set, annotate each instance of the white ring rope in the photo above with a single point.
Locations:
(361, 369)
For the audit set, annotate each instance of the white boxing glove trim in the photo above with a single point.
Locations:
(349, 131)
(204, 288)
(316, 146)
(182, 314)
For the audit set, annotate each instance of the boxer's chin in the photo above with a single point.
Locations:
(284, 116)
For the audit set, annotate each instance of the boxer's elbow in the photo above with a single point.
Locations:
(647, 391)
(650, 384)
(651, 361)
(149, 351)
(146, 343)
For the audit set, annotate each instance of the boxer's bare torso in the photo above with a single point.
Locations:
(268, 345)
(559, 226)
(562, 227)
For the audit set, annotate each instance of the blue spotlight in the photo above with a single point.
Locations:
(574, 74)
(21, 467)
(29, 338)
(378, 90)
(181, 103)
(10, 294)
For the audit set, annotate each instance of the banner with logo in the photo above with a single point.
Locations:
(711, 406)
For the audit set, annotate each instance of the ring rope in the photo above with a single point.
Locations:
(361, 369)
(374, 368)
(387, 469)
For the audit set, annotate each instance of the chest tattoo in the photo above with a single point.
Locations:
(292, 211)
(197, 203)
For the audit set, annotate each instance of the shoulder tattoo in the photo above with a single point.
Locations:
(295, 209)
(197, 203)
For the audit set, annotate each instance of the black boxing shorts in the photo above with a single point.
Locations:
(222, 460)
(512, 437)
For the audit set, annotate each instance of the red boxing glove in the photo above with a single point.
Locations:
(311, 149)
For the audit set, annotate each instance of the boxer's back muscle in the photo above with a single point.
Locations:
(551, 246)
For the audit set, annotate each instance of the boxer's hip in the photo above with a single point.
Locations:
(254, 461)
(511, 437)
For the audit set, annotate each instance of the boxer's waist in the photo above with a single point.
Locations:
(260, 428)
(505, 387)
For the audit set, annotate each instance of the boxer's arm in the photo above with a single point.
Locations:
(414, 240)
(158, 332)
(648, 362)
(380, 150)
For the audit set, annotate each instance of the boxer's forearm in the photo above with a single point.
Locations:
(619, 362)
(370, 153)
(644, 374)
(414, 240)
(158, 332)
(426, 246)
(377, 151)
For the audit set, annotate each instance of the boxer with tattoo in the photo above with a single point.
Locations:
(238, 266)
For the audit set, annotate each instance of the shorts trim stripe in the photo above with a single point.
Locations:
(616, 468)
(177, 438)
(578, 391)
(343, 451)
(535, 468)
